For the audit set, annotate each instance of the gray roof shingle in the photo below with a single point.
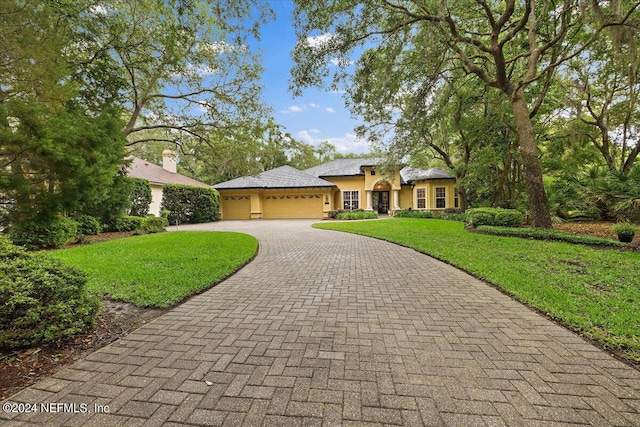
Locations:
(409, 174)
(342, 167)
(282, 177)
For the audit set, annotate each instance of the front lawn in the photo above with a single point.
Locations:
(593, 291)
(160, 270)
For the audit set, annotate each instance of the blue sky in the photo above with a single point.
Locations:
(315, 116)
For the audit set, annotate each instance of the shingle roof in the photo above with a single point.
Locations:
(282, 177)
(157, 175)
(342, 167)
(409, 174)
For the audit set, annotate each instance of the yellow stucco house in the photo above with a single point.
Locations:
(286, 192)
(158, 176)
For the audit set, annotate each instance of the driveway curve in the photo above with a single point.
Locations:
(326, 328)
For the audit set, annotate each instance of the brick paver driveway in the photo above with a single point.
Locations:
(324, 328)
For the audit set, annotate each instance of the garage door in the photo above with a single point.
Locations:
(236, 207)
(292, 206)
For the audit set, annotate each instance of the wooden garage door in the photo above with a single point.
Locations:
(292, 206)
(236, 207)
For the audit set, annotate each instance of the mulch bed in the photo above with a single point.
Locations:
(21, 368)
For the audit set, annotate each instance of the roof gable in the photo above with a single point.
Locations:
(282, 177)
(157, 175)
(342, 167)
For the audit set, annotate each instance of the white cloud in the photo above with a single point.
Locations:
(299, 108)
(349, 143)
(329, 110)
(320, 41)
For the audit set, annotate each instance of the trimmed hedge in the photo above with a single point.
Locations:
(88, 225)
(125, 223)
(41, 299)
(494, 216)
(452, 215)
(190, 205)
(154, 224)
(357, 215)
(548, 234)
(39, 234)
(140, 197)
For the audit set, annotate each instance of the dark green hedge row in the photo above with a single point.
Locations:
(452, 215)
(190, 205)
(548, 234)
(41, 300)
(494, 216)
(140, 197)
(357, 215)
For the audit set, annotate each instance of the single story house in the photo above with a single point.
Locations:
(159, 176)
(286, 192)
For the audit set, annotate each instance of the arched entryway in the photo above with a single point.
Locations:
(381, 197)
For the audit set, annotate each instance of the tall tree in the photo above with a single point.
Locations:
(180, 67)
(514, 47)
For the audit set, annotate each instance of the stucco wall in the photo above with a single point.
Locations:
(156, 199)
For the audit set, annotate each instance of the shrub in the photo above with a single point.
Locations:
(126, 223)
(357, 215)
(332, 214)
(624, 228)
(547, 234)
(154, 224)
(41, 300)
(190, 205)
(88, 225)
(494, 216)
(413, 214)
(40, 234)
(140, 197)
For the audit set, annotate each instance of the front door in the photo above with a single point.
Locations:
(381, 201)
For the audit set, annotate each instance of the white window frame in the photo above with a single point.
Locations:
(423, 199)
(443, 197)
(456, 198)
(351, 193)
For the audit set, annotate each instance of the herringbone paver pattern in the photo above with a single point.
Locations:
(324, 328)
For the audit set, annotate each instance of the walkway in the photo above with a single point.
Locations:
(325, 328)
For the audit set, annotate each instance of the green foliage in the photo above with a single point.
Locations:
(140, 197)
(591, 290)
(357, 215)
(190, 205)
(41, 300)
(413, 214)
(88, 225)
(154, 224)
(160, 270)
(126, 223)
(59, 160)
(494, 216)
(624, 228)
(546, 234)
(48, 233)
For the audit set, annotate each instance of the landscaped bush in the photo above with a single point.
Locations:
(494, 216)
(39, 234)
(126, 223)
(190, 205)
(357, 215)
(41, 299)
(154, 224)
(88, 225)
(547, 234)
(413, 214)
(140, 197)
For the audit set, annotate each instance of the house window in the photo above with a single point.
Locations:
(441, 197)
(456, 199)
(351, 200)
(421, 195)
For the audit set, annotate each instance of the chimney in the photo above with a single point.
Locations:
(169, 161)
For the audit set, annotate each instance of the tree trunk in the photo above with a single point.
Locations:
(538, 205)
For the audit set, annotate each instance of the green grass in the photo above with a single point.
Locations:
(593, 291)
(160, 270)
